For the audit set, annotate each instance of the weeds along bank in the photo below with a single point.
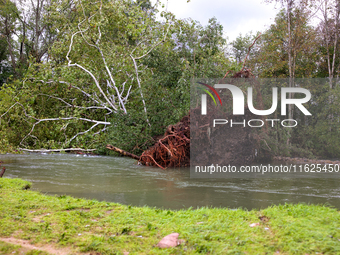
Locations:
(88, 226)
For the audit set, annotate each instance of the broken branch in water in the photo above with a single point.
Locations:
(122, 152)
(153, 160)
(57, 150)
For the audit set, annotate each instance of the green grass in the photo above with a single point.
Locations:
(8, 248)
(110, 228)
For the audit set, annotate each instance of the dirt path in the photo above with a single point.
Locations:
(46, 248)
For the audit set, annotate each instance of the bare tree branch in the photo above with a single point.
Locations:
(140, 88)
(57, 150)
(75, 106)
(8, 111)
(245, 59)
(154, 46)
(96, 122)
(87, 71)
(110, 92)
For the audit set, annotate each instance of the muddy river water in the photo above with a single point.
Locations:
(121, 180)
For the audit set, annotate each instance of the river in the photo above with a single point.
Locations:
(121, 180)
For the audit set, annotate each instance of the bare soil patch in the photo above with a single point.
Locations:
(46, 248)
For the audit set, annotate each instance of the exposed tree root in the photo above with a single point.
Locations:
(173, 150)
(152, 160)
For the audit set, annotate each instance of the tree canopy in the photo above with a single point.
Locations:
(84, 73)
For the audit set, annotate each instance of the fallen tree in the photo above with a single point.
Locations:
(238, 146)
(122, 152)
(220, 145)
(171, 150)
(58, 150)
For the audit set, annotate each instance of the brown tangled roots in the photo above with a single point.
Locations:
(173, 150)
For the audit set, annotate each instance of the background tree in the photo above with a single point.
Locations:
(84, 73)
(93, 72)
(328, 30)
(240, 47)
(8, 21)
(31, 28)
(272, 57)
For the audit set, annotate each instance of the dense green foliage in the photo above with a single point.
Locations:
(83, 74)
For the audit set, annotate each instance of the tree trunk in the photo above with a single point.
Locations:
(122, 152)
(290, 64)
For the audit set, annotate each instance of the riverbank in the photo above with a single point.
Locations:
(290, 160)
(66, 225)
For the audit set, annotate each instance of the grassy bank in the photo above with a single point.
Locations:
(71, 226)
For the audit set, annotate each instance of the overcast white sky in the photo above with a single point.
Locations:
(236, 16)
